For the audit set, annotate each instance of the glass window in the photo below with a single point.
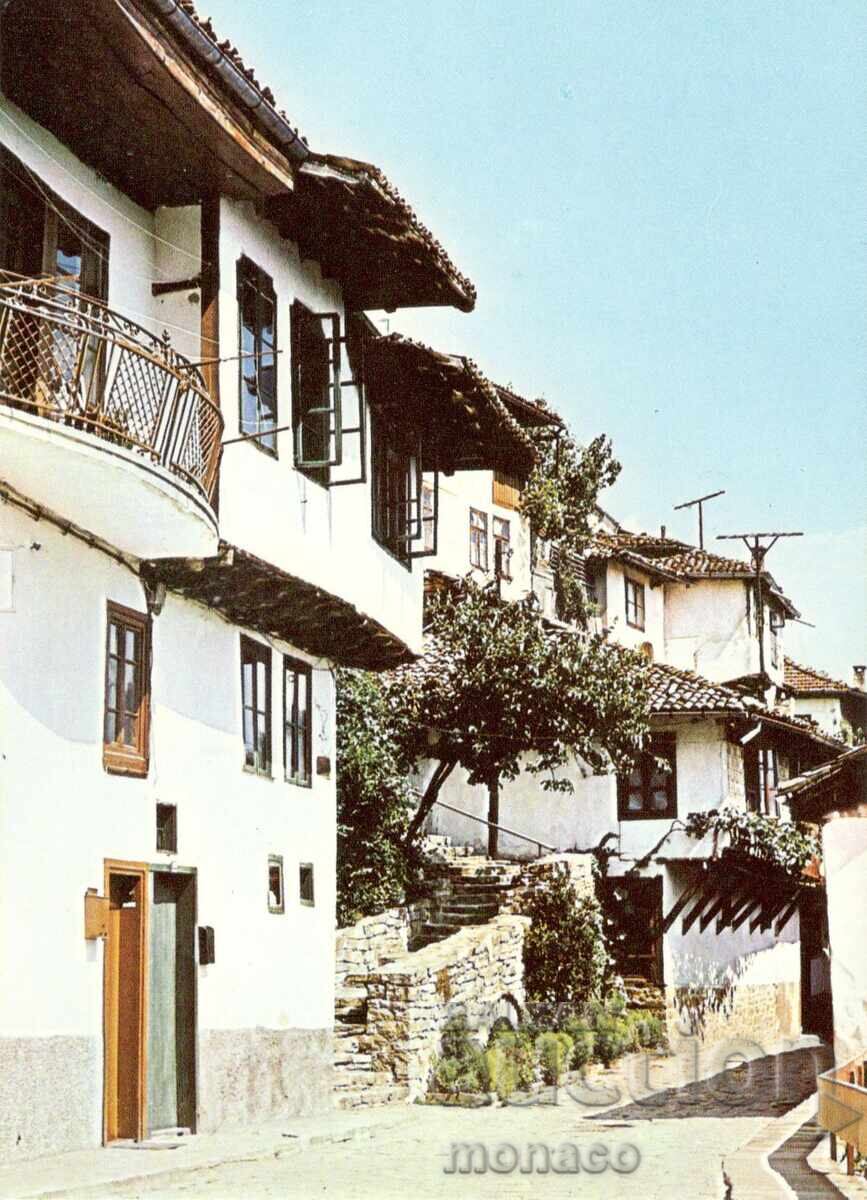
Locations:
(649, 791)
(257, 347)
(297, 705)
(392, 488)
(306, 883)
(634, 604)
(256, 705)
(127, 692)
(502, 548)
(478, 539)
(312, 370)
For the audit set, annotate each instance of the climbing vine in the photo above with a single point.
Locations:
(788, 845)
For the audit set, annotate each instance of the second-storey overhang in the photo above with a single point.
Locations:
(138, 90)
(735, 891)
(258, 595)
(445, 399)
(348, 217)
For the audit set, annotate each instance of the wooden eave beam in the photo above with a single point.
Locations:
(681, 903)
(746, 910)
(706, 898)
(786, 916)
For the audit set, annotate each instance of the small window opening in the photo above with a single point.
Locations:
(306, 883)
(167, 828)
(275, 884)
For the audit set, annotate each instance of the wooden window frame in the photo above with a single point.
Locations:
(292, 723)
(391, 514)
(254, 651)
(248, 274)
(480, 541)
(505, 553)
(117, 758)
(299, 315)
(275, 861)
(309, 901)
(637, 604)
(660, 745)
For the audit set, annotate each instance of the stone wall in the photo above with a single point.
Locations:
(361, 948)
(478, 972)
(578, 868)
(766, 1016)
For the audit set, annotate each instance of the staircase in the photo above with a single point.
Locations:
(465, 889)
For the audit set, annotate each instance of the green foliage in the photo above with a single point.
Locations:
(649, 1030)
(614, 1037)
(583, 1041)
(565, 957)
(555, 1053)
(559, 501)
(374, 802)
(519, 1047)
(499, 684)
(456, 1039)
(787, 845)
(501, 1072)
(462, 1067)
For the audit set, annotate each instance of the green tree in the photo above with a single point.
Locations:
(500, 691)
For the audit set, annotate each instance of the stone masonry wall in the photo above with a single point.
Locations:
(478, 972)
(578, 867)
(766, 1016)
(361, 948)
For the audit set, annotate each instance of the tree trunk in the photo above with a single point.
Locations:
(493, 815)
(432, 791)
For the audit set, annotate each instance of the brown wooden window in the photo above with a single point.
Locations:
(502, 548)
(634, 603)
(297, 705)
(649, 791)
(506, 490)
(305, 874)
(478, 539)
(276, 898)
(167, 828)
(127, 692)
(256, 705)
(392, 488)
(315, 392)
(257, 348)
(41, 234)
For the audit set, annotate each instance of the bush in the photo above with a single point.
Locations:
(565, 957)
(584, 1041)
(500, 1072)
(614, 1037)
(555, 1053)
(462, 1065)
(456, 1040)
(521, 1051)
(650, 1030)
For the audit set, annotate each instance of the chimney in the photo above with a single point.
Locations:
(662, 531)
(858, 675)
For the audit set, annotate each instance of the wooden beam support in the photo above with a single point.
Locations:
(690, 919)
(680, 904)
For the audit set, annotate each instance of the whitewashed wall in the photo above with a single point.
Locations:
(61, 814)
(612, 598)
(844, 843)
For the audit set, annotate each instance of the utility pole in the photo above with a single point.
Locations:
(700, 501)
(758, 552)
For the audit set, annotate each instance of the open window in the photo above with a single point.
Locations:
(257, 349)
(42, 235)
(297, 700)
(649, 790)
(256, 705)
(405, 499)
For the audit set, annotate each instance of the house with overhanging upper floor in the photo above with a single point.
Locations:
(203, 510)
(839, 708)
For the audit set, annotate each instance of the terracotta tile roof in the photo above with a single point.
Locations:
(679, 558)
(675, 691)
(808, 681)
(470, 428)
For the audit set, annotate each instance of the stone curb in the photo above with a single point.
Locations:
(273, 1146)
(750, 1174)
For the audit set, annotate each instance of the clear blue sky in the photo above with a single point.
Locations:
(661, 204)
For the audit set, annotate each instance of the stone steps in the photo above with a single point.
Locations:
(369, 1097)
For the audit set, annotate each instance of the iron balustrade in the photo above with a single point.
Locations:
(69, 358)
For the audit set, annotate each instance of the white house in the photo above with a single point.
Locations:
(201, 513)
(839, 708)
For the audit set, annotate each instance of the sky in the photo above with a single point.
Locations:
(661, 205)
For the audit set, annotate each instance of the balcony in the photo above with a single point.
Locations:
(104, 424)
(843, 1105)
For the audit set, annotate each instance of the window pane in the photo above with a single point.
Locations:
(130, 693)
(635, 803)
(110, 734)
(113, 634)
(247, 681)
(111, 700)
(130, 729)
(131, 645)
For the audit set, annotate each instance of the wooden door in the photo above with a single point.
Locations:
(125, 1001)
(171, 1004)
(634, 906)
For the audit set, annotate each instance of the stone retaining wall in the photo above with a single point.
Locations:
(361, 948)
(578, 868)
(411, 1000)
(766, 1015)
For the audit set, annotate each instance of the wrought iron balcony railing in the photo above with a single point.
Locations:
(69, 358)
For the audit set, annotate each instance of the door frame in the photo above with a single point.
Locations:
(111, 867)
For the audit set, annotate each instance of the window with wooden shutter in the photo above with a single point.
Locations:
(506, 490)
(649, 790)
